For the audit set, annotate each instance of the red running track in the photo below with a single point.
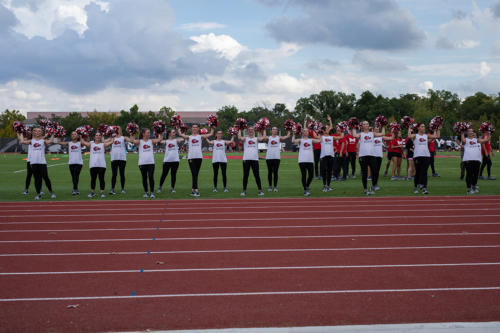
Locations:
(187, 264)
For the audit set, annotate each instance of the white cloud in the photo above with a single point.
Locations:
(459, 33)
(226, 46)
(202, 26)
(484, 69)
(426, 85)
(373, 61)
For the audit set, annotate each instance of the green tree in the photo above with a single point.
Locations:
(7, 118)
(72, 121)
(96, 118)
(227, 116)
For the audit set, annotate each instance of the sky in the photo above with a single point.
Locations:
(199, 55)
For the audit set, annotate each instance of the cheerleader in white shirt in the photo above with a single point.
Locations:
(171, 160)
(97, 162)
(29, 171)
(147, 160)
(118, 159)
(306, 158)
(250, 159)
(472, 159)
(219, 159)
(195, 156)
(273, 156)
(37, 160)
(328, 155)
(421, 156)
(75, 160)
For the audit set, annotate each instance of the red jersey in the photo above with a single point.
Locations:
(397, 142)
(316, 145)
(352, 143)
(485, 147)
(432, 146)
(344, 141)
(389, 144)
(336, 146)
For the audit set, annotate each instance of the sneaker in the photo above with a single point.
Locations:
(324, 189)
(243, 194)
(491, 178)
(214, 190)
(424, 191)
(103, 195)
(195, 193)
(372, 192)
(436, 175)
(367, 192)
(369, 178)
(152, 196)
(91, 194)
(307, 193)
(415, 190)
(52, 195)
(334, 178)
(226, 190)
(385, 174)
(482, 177)
(275, 189)
(261, 193)
(73, 192)
(409, 178)
(394, 178)
(269, 189)
(470, 191)
(38, 197)
(158, 190)
(25, 192)
(420, 186)
(112, 192)
(475, 190)
(172, 190)
(376, 188)
(42, 192)
(328, 189)
(123, 191)
(146, 195)
(353, 176)
(77, 192)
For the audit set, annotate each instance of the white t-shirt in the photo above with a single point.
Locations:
(219, 152)
(75, 153)
(366, 143)
(326, 146)
(421, 144)
(377, 147)
(171, 151)
(146, 152)
(306, 154)
(37, 152)
(472, 150)
(273, 148)
(118, 149)
(250, 152)
(194, 144)
(97, 155)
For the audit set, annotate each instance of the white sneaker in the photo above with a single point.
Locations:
(307, 193)
(415, 190)
(145, 195)
(275, 189)
(25, 192)
(243, 194)
(324, 189)
(376, 188)
(91, 194)
(38, 197)
(103, 195)
(152, 196)
(261, 193)
(52, 195)
(158, 190)
(328, 189)
(214, 190)
(172, 190)
(269, 189)
(123, 191)
(112, 192)
(226, 190)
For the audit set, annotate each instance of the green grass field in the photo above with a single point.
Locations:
(13, 173)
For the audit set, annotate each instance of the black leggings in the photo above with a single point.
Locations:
(486, 163)
(74, 170)
(431, 162)
(368, 162)
(223, 167)
(421, 167)
(351, 158)
(148, 171)
(247, 164)
(167, 166)
(472, 168)
(326, 170)
(94, 172)
(273, 166)
(29, 174)
(195, 166)
(345, 166)
(376, 172)
(339, 165)
(317, 154)
(40, 172)
(115, 165)
(306, 169)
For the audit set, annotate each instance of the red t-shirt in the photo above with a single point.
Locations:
(352, 143)
(486, 147)
(432, 146)
(336, 145)
(396, 142)
(316, 145)
(344, 141)
(389, 144)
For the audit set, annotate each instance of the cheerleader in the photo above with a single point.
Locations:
(171, 159)
(396, 154)
(147, 160)
(29, 171)
(75, 159)
(366, 154)
(306, 158)
(378, 154)
(97, 162)
(195, 157)
(219, 159)
(250, 160)
(327, 155)
(421, 156)
(432, 150)
(37, 160)
(472, 159)
(486, 152)
(273, 156)
(352, 148)
(118, 159)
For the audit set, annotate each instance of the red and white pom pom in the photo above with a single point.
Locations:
(212, 121)
(486, 127)
(380, 121)
(102, 128)
(44, 122)
(27, 131)
(320, 128)
(413, 127)
(241, 124)
(183, 128)
(297, 129)
(342, 126)
(111, 131)
(18, 127)
(436, 123)
(353, 122)
(406, 122)
(132, 128)
(312, 125)
(82, 131)
(395, 127)
(159, 127)
(203, 131)
(176, 121)
(258, 127)
(289, 124)
(232, 131)
(59, 131)
(263, 123)
(460, 127)
(89, 129)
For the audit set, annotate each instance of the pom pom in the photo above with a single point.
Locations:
(89, 129)
(183, 128)
(203, 131)
(289, 124)
(381, 121)
(320, 128)
(436, 123)
(132, 128)
(460, 126)
(342, 126)
(297, 129)
(262, 123)
(232, 131)
(82, 131)
(212, 121)
(406, 122)
(241, 124)
(27, 131)
(18, 127)
(176, 121)
(44, 122)
(413, 127)
(312, 125)
(59, 131)
(102, 128)
(112, 131)
(395, 127)
(486, 127)
(353, 122)
(159, 127)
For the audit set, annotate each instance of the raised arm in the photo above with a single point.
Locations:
(184, 136)
(159, 139)
(486, 139)
(85, 143)
(240, 137)
(134, 140)
(286, 136)
(436, 134)
(338, 137)
(411, 135)
(380, 134)
(297, 141)
(204, 136)
(22, 140)
(230, 141)
(329, 127)
(262, 136)
(50, 141)
(354, 134)
(209, 141)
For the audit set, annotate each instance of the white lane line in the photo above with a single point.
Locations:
(326, 226)
(307, 218)
(254, 212)
(243, 237)
(253, 251)
(259, 293)
(48, 166)
(229, 269)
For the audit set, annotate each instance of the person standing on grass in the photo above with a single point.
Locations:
(118, 159)
(396, 155)
(75, 160)
(147, 160)
(250, 160)
(37, 160)
(273, 156)
(327, 155)
(306, 158)
(29, 170)
(378, 154)
(317, 154)
(171, 160)
(338, 161)
(472, 158)
(352, 148)
(195, 156)
(390, 152)
(432, 150)
(422, 156)
(410, 163)
(97, 162)
(486, 152)
(219, 158)
(366, 157)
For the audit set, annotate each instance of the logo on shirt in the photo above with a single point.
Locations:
(146, 146)
(367, 137)
(219, 145)
(96, 148)
(421, 140)
(377, 141)
(306, 144)
(352, 140)
(327, 140)
(250, 142)
(472, 143)
(117, 142)
(171, 145)
(74, 147)
(194, 141)
(36, 145)
(274, 142)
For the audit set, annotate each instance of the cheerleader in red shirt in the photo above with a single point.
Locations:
(352, 148)
(396, 154)
(486, 153)
(432, 150)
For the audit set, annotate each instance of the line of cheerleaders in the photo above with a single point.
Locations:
(368, 145)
